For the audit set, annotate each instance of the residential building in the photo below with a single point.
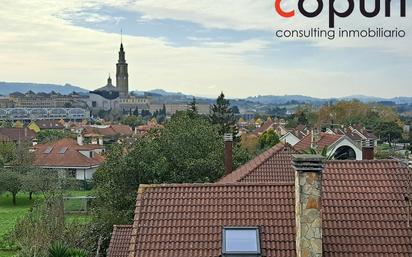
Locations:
(100, 134)
(29, 114)
(310, 208)
(46, 100)
(338, 147)
(17, 135)
(69, 157)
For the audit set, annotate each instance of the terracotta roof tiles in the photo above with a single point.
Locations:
(278, 159)
(120, 241)
(66, 153)
(365, 214)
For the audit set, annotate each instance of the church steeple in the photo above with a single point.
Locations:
(109, 80)
(122, 75)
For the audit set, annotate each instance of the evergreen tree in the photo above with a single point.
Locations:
(193, 106)
(222, 115)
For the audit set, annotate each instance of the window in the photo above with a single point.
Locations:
(48, 150)
(241, 241)
(63, 150)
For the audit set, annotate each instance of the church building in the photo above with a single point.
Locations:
(111, 97)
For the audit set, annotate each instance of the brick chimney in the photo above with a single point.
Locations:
(368, 149)
(228, 138)
(308, 208)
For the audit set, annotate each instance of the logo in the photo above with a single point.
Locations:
(333, 13)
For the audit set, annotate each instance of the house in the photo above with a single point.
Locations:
(39, 125)
(314, 208)
(72, 157)
(17, 135)
(144, 129)
(290, 138)
(339, 147)
(277, 126)
(97, 134)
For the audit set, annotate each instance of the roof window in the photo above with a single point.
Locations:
(241, 241)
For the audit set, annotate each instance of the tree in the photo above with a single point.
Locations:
(192, 106)
(189, 149)
(43, 181)
(136, 112)
(50, 135)
(222, 115)
(44, 225)
(389, 131)
(7, 153)
(133, 121)
(11, 182)
(268, 139)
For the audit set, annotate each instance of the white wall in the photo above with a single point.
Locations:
(346, 142)
(290, 139)
(87, 174)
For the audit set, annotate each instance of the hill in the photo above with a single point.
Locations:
(10, 87)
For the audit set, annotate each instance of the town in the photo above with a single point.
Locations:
(68, 163)
(232, 167)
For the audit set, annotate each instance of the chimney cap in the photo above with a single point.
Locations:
(308, 162)
(228, 137)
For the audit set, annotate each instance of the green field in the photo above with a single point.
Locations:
(9, 214)
(7, 253)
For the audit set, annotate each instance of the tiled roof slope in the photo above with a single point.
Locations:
(120, 241)
(365, 214)
(16, 134)
(325, 139)
(187, 220)
(365, 208)
(277, 158)
(66, 153)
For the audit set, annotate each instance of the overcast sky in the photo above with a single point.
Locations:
(199, 47)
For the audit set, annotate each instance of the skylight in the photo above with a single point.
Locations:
(241, 241)
(63, 150)
(48, 150)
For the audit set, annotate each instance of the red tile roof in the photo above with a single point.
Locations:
(365, 213)
(120, 241)
(108, 131)
(16, 134)
(278, 158)
(50, 124)
(123, 130)
(324, 140)
(66, 153)
(187, 220)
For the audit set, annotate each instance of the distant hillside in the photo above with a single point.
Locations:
(10, 87)
(274, 99)
(287, 99)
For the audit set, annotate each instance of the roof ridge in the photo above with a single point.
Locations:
(148, 186)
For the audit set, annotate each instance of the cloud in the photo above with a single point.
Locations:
(39, 45)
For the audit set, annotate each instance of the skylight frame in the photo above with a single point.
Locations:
(48, 150)
(228, 253)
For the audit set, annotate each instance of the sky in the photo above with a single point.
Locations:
(202, 47)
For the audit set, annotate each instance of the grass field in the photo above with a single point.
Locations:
(9, 213)
(7, 253)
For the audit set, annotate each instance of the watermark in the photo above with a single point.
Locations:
(385, 6)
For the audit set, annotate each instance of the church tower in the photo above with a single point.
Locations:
(122, 76)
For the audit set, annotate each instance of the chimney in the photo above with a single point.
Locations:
(100, 140)
(308, 207)
(228, 138)
(79, 139)
(368, 149)
(314, 138)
